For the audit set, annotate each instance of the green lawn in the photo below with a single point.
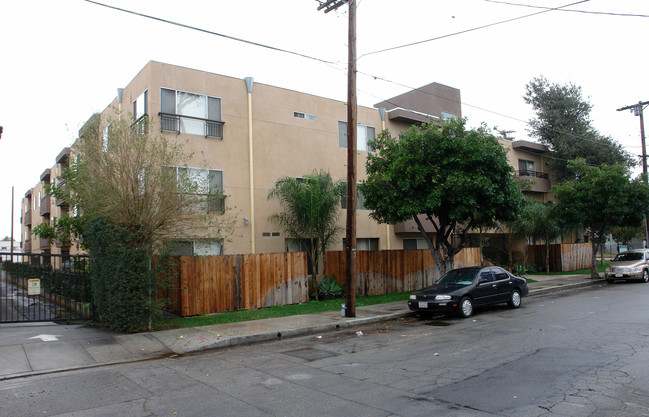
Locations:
(277, 311)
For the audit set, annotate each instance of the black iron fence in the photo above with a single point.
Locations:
(44, 287)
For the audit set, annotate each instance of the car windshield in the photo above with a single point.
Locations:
(629, 256)
(458, 277)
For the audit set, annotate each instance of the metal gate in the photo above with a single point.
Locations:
(44, 287)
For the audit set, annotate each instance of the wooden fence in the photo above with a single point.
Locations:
(563, 257)
(391, 271)
(213, 284)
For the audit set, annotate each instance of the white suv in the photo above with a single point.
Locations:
(633, 264)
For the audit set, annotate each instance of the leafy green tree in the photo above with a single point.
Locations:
(456, 179)
(601, 198)
(311, 206)
(124, 183)
(625, 234)
(563, 124)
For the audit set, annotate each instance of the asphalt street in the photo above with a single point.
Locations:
(583, 352)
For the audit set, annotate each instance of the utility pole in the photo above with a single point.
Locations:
(350, 236)
(637, 110)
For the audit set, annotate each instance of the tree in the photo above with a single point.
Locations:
(310, 211)
(519, 228)
(625, 234)
(563, 124)
(455, 179)
(546, 226)
(132, 193)
(601, 198)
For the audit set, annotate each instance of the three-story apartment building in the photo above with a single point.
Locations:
(246, 135)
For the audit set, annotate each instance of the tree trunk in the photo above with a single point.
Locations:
(593, 265)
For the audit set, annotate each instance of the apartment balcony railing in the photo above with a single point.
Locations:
(27, 218)
(46, 206)
(60, 201)
(170, 122)
(216, 204)
(27, 246)
(539, 181)
(44, 244)
(529, 173)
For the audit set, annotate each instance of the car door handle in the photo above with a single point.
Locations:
(495, 286)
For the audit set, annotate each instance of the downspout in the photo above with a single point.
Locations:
(382, 112)
(249, 82)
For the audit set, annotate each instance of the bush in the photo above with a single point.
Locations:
(329, 289)
(123, 279)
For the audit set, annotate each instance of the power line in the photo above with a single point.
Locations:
(470, 30)
(569, 10)
(526, 122)
(171, 22)
(360, 72)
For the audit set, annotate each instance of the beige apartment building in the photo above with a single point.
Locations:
(247, 135)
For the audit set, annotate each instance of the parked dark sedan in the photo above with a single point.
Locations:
(461, 290)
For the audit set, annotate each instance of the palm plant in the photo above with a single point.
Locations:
(310, 210)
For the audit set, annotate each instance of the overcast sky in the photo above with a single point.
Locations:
(61, 61)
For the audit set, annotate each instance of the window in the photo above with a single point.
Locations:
(415, 243)
(199, 247)
(360, 199)
(448, 116)
(501, 274)
(107, 131)
(526, 167)
(305, 116)
(363, 135)
(206, 182)
(488, 276)
(365, 243)
(140, 106)
(191, 113)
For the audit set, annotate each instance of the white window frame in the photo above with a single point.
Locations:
(193, 124)
(362, 131)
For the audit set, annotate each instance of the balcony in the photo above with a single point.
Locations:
(61, 202)
(539, 181)
(63, 158)
(27, 246)
(44, 244)
(27, 218)
(171, 123)
(216, 204)
(45, 207)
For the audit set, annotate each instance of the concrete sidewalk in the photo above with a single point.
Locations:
(38, 348)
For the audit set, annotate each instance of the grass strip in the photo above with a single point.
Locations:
(276, 311)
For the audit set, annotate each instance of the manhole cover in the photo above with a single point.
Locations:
(310, 354)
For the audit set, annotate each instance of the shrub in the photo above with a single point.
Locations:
(328, 288)
(123, 280)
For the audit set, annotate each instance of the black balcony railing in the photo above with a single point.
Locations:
(216, 204)
(529, 173)
(170, 122)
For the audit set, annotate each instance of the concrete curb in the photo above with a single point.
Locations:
(565, 287)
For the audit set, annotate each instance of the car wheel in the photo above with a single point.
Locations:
(466, 307)
(610, 281)
(514, 299)
(645, 276)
